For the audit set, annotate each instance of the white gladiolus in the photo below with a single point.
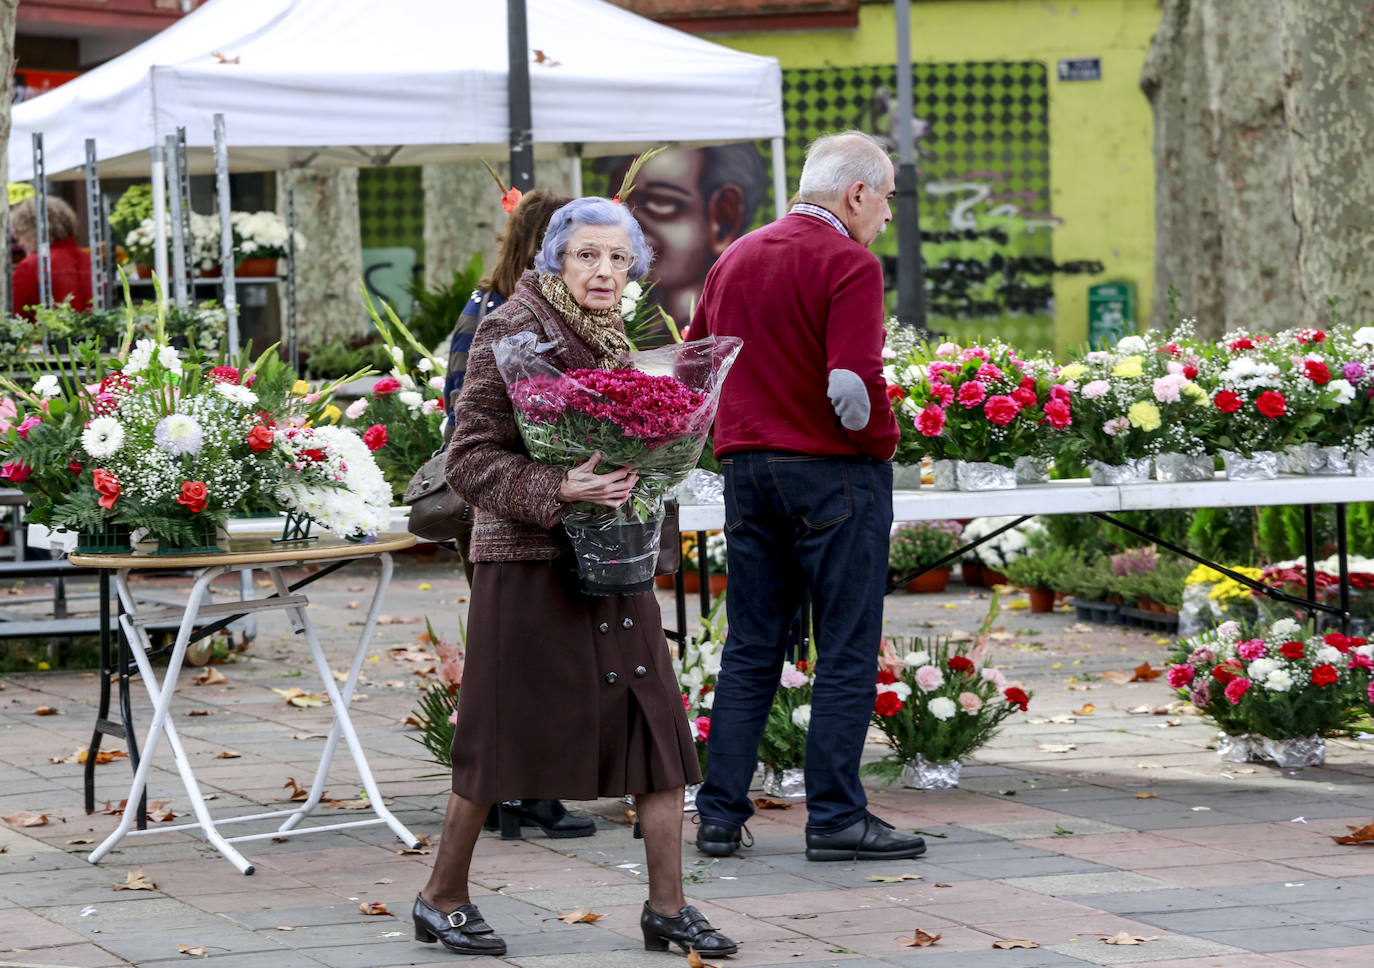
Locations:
(47, 385)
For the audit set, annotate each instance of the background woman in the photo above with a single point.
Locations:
(563, 693)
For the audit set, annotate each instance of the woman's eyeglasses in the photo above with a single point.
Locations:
(589, 257)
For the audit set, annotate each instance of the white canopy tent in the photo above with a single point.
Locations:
(324, 83)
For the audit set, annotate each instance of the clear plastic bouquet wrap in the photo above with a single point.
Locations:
(651, 415)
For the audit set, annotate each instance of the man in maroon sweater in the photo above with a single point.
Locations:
(804, 434)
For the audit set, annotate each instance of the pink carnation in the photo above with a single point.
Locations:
(931, 421)
(1116, 427)
(973, 393)
(1180, 675)
(995, 677)
(1236, 688)
(929, 677)
(1001, 409)
(1201, 656)
(942, 392)
(792, 678)
(946, 350)
(1360, 661)
(1096, 389)
(989, 372)
(1251, 650)
(969, 702)
(1167, 387)
(974, 353)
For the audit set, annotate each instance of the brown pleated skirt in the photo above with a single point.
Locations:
(565, 695)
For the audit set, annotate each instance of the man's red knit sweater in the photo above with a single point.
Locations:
(808, 302)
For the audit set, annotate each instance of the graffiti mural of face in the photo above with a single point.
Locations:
(686, 230)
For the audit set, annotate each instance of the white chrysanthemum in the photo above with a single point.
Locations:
(1367, 649)
(1278, 681)
(47, 385)
(179, 434)
(1131, 345)
(410, 398)
(942, 708)
(102, 437)
(1284, 628)
(236, 393)
(801, 716)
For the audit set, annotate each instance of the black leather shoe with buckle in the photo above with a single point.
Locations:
(718, 840)
(688, 930)
(461, 930)
(867, 838)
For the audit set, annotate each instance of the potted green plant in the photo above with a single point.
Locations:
(1038, 571)
(917, 545)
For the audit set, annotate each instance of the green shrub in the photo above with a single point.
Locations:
(1044, 568)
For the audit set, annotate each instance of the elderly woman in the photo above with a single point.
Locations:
(563, 694)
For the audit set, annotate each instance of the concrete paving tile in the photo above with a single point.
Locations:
(1196, 922)
(1008, 958)
(625, 958)
(71, 955)
(1087, 923)
(1046, 865)
(1086, 885)
(1292, 938)
(888, 944)
(1222, 875)
(1354, 956)
(1243, 960)
(23, 929)
(1280, 893)
(865, 920)
(569, 898)
(1030, 830)
(1143, 903)
(1346, 909)
(1166, 947)
(235, 903)
(272, 958)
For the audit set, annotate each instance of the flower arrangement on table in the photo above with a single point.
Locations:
(696, 670)
(782, 749)
(936, 704)
(655, 424)
(436, 714)
(261, 235)
(979, 405)
(1275, 692)
(917, 545)
(402, 419)
(716, 556)
(996, 553)
(202, 248)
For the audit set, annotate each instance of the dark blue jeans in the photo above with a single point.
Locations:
(796, 523)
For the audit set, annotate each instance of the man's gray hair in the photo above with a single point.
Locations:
(836, 161)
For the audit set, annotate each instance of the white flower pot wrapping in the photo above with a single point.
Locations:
(689, 797)
(1184, 467)
(1294, 754)
(1132, 472)
(906, 477)
(1296, 459)
(1329, 462)
(1234, 747)
(963, 475)
(1362, 462)
(1263, 465)
(1032, 470)
(787, 783)
(924, 774)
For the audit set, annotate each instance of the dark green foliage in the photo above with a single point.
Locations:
(437, 703)
(436, 310)
(1045, 568)
(1224, 534)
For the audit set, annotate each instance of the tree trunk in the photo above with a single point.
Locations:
(8, 8)
(1328, 76)
(463, 213)
(329, 267)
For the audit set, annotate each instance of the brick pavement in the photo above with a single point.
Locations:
(1137, 827)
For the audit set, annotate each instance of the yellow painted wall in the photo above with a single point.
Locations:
(1101, 167)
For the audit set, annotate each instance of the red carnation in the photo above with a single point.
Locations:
(1337, 641)
(931, 421)
(15, 472)
(959, 663)
(107, 486)
(1306, 336)
(314, 454)
(1001, 409)
(803, 665)
(115, 383)
(74, 466)
(1027, 383)
(224, 374)
(887, 704)
(1324, 675)
(386, 385)
(703, 725)
(972, 393)
(192, 496)
(375, 437)
(1316, 371)
(259, 439)
(1058, 414)
(1024, 396)
(1170, 348)
(1244, 343)
(1223, 673)
(886, 677)
(894, 393)
(942, 392)
(1190, 371)
(1272, 404)
(1017, 697)
(1292, 650)
(1227, 401)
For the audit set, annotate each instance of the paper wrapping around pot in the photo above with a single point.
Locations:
(1362, 463)
(1329, 462)
(1184, 467)
(689, 797)
(1263, 465)
(965, 475)
(924, 774)
(1135, 471)
(1234, 747)
(788, 783)
(1293, 754)
(1032, 470)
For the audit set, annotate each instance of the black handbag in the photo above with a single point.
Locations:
(436, 513)
(669, 542)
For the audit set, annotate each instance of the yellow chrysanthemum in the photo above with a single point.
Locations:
(1074, 371)
(1203, 575)
(1144, 415)
(1129, 368)
(300, 387)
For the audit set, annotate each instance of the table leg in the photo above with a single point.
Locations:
(161, 723)
(339, 700)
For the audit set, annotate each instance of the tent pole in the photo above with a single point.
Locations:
(226, 237)
(518, 97)
(779, 153)
(159, 178)
(911, 284)
(575, 174)
(188, 239)
(174, 209)
(293, 343)
(95, 229)
(40, 211)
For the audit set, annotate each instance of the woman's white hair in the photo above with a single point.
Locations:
(836, 161)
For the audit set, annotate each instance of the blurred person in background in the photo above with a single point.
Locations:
(71, 266)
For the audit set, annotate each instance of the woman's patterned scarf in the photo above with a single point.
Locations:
(600, 329)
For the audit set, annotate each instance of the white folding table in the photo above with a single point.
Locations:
(256, 553)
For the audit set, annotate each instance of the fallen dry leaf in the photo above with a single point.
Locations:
(296, 696)
(893, 879)
(160, 811)
(1145, 673)
(101, 756)
(135, 881)
(1087, 710)
(209, 676)
(1357, 835)
(197, 712)
(1066, 720)
(1079, 687)
(580, 916)
(694, 960)
(941, 884)
(81, 840)
(1146, 796)
(1055, 747)
(921, 939)
(284, 927)
(382, 880)
(765, 803)
(1144, 710)
(374, 907)
(45, 711)
(309, 736)
(1015, 943)
(298, 792)
(226, 755)
(359, 804)
(197, 950)
(1116, 675)
(26, 818)
(1123, 937)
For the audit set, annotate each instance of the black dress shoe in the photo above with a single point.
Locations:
(718, 840)
(549, 816)
(461, 931)
(689, 929)
(867, 838)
